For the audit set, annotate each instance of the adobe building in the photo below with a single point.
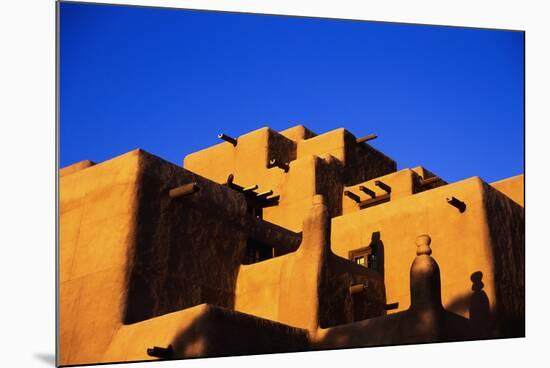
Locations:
(278, 242)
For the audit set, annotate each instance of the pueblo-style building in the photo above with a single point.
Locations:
(278, 242)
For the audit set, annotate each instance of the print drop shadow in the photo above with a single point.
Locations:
(47, 358)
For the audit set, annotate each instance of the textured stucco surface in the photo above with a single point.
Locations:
(512, 187)
(140, 269)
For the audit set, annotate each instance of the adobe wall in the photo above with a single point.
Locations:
(506, 220)
(248, 161)
(307, 177)
(135, 263)
(463, 243)
(130, 254)
(125, 241)
(81, 165)
(318, 164)
(512, 187)
(186, 252)
(98, 212)
(204, 331)
(310, 287)
(360, 161)
(396, 185)
(403, 183)
(424, 321)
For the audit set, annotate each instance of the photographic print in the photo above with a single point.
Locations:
(238, 184)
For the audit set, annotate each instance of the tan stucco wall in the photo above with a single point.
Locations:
(71, 169)
(129, 253)
(139, 269)
(319, 164)
(512, 187)
(310, 287)
(122, 239)
(97, 212)
(462, 242)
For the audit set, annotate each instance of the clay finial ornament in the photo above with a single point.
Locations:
(423, 245)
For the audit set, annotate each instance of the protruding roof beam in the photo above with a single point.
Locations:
(352, 196)
(385, 187)
(184, 190)
(227, 138)
(366, 138)
(455, 202)
(275, 162)
(367, 191)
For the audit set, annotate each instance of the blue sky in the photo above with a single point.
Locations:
(168, 81)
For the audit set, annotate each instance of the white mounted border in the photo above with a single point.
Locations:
(27, 151)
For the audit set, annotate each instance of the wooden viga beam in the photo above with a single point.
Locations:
(160, 352)
(367, 191)
(366, 138)
(275, 162)
(385, 187)
(184, 190)
(358, 288)
(352, 196)
(457, 203)
(229, 183)
(374, 201)
(265, 194)
(250, 189)
(227, 138)
(278, 237)
(232, 185)
(269, 202)
(429, 181)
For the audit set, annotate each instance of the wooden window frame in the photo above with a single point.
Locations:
(360, 252)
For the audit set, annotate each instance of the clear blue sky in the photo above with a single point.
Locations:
(168, 81)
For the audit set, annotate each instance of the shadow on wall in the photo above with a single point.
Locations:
(376, 258)
(507, 232)
(480, 313)
(477, 303)
(183, 256)
(222, 332)
(425, 321)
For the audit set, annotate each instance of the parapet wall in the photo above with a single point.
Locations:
(473, 248)
(315, 164)
(512, 187)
